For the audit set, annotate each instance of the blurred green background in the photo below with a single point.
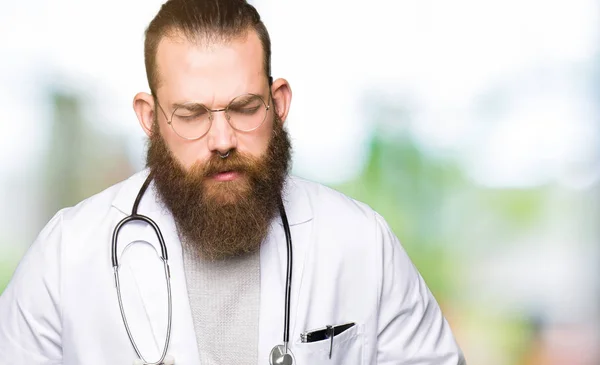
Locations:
(472, 127)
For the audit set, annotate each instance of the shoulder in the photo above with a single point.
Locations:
(98, 205)
(324, 198)
(349, 233)
(83, 221)
(335, 210)
(81, 231)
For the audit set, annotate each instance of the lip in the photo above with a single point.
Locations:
(226, 176)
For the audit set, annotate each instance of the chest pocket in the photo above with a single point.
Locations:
(347, 349)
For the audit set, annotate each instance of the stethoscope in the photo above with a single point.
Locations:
(280, 354)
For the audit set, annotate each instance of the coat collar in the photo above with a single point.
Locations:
(295, 200)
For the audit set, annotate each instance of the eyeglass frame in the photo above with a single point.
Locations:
(211, 111)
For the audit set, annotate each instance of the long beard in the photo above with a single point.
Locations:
(219, 220)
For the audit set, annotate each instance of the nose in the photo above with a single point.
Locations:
(221, 136)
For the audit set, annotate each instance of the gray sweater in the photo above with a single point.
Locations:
(224, 298)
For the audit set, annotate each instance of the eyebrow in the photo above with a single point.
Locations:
(190, 105)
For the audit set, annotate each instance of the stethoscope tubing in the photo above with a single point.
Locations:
(288, 281)
(164, 257)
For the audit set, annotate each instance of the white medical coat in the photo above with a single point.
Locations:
(61, 305)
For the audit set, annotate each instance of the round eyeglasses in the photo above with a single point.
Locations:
(192, 120)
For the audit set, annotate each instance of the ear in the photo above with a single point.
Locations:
(282, 97)
(143, 105)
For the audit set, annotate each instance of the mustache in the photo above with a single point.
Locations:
(236, 161)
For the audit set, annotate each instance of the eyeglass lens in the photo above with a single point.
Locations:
(244, 113)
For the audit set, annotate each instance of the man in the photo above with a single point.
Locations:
(217, 187)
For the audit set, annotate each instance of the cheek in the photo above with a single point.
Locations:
(256, 142)
(187, 153)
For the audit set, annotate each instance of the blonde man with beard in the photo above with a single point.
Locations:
(262, 267)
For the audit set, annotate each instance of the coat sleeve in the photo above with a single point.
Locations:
(30, 314)
(411, 327)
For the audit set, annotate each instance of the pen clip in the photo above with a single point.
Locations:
(331, 334)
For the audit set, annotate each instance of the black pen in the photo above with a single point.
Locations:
(323, 333)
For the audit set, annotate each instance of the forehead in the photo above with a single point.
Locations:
(213, 73)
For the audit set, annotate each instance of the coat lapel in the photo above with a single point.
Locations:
(273, 266)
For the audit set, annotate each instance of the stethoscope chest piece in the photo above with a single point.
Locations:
(279, 356)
